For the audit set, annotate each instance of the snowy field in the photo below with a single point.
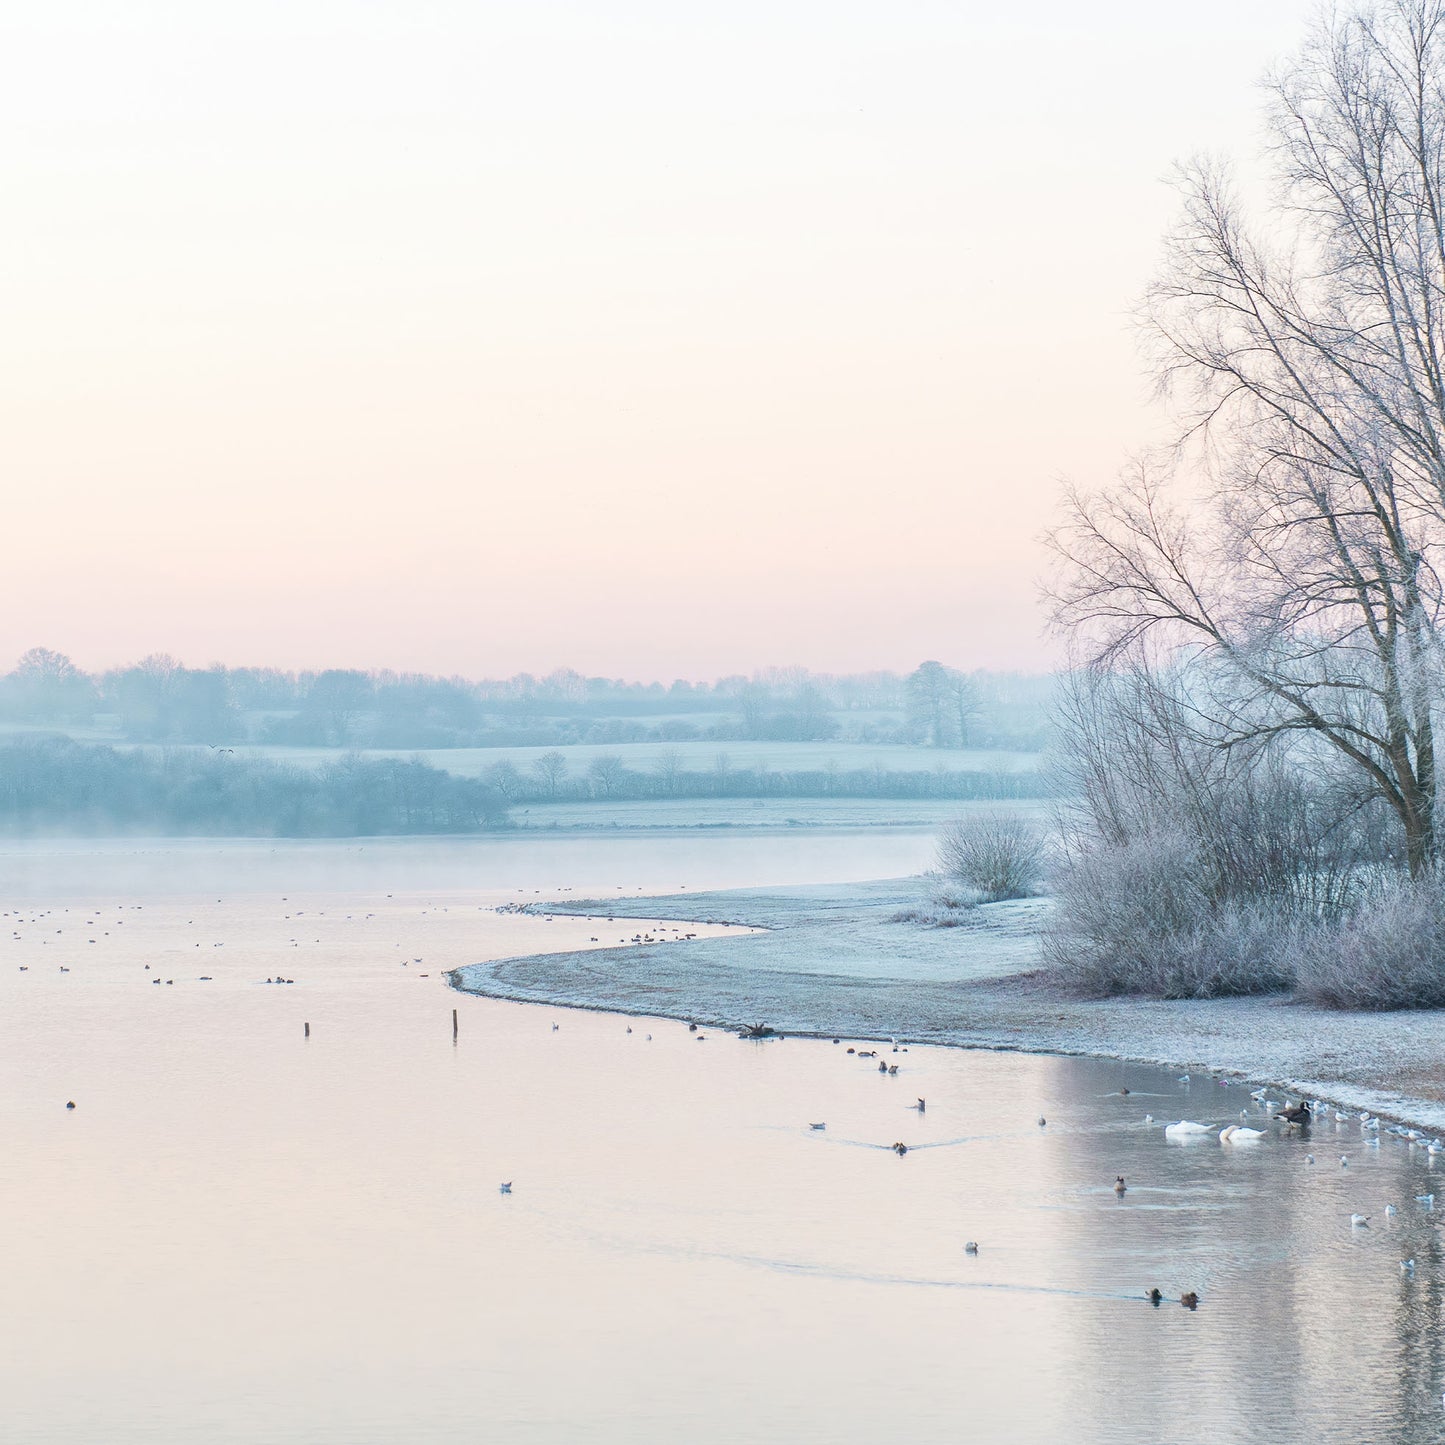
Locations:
(760, 813)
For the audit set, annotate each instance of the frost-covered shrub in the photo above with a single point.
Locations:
(1388, 954)
(998, 855)
(1137, 919)
(947, 908)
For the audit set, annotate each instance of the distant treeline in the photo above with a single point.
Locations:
(52, 784)
(160, 700)
(607, 778)
(55, 785)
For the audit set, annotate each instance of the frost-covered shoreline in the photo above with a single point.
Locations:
(829, 961)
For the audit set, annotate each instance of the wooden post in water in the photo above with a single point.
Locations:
(308, 1031)
(454, 1023)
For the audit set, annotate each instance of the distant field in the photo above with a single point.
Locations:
(779, 813)
(696, 757)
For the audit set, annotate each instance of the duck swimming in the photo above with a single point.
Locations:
(1120, 1187)
(1154, 1297)
(1190, 1300)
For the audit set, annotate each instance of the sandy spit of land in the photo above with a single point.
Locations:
(834, 961)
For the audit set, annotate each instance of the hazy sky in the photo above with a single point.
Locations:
(648, 339)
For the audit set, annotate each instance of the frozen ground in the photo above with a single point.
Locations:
(758, 813)
(832, 962)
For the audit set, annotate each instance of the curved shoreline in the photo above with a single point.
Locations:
(832, 962)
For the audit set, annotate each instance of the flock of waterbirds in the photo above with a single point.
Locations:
(94, 924)
(759, 1031)
(1292, 1117)
(1298, 1116)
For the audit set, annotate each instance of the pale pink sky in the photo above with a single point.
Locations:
(647, 339)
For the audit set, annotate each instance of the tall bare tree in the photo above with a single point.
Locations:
(1308, 357)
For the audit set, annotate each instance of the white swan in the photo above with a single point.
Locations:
(1184, 1128)
(1238, 1134)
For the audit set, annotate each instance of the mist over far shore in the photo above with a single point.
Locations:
(159, 748)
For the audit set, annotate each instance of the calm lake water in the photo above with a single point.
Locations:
(241, 1234)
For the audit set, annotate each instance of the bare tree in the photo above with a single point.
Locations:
(50, 684)
(505, 778)
(928, 701)
(606, 772)
(668, 766)
(1310, 363)
(551, 767)
(963, 700)
(722, 768)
